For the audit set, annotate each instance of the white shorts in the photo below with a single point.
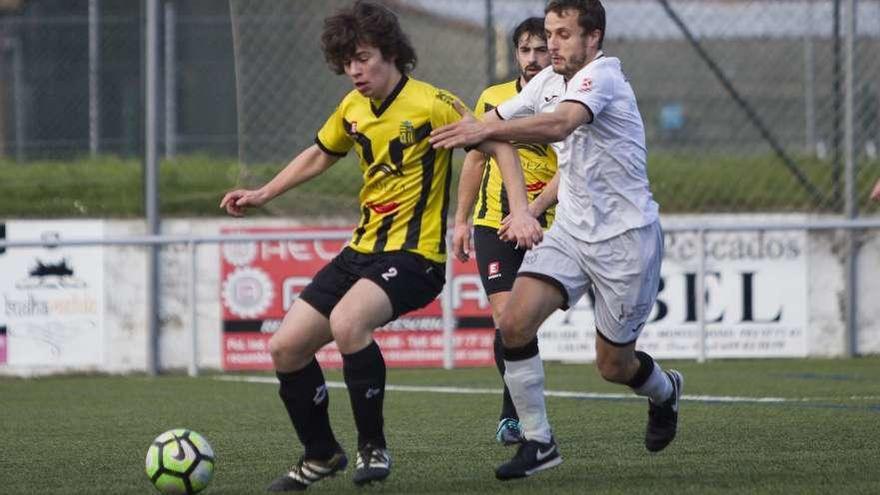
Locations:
(624, 272)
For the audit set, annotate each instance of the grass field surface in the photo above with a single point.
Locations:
(769, 426)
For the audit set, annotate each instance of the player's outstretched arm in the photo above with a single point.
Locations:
(548, 127)
(875, 194)
(524, 229)
(308, 164)
(468, 184)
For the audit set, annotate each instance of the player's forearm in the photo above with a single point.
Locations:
(547, 198)
(541, 128)
(511, 173)
(469, 184)
(307, 165)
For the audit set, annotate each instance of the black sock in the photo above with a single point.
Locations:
(507, 408)
(527, 351)
(364, 373)
(646, 367)
(304, 394)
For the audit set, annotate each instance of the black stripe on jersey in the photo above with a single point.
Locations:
(445, 210)
(589, 110)
(414, 227)
(365, 219)
(505, 205)
(382, 233)
(538, 149)
(390, 99)
(484, 199)
(395, 147)
(328, 150)
(361, 139)
(498, 113)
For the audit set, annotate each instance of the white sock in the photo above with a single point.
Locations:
(657, 387)
(525, 380)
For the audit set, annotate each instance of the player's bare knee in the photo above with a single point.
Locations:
(613, 370)
(346, 332)
(284, 353)
(513, 333)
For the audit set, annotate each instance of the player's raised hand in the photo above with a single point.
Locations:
(461, 241)
(875, 194)
(237, 201)
(521, 228)
(468, 131)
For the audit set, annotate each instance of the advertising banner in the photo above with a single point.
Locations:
(52, 297)
(755, 294)
(260, 281)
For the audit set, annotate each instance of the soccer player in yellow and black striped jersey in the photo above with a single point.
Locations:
(497, 260)
(395, 260)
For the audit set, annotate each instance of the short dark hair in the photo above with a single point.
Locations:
(533, 26)
(591, 14)
(366, 23)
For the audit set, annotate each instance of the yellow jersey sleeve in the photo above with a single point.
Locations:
(333, 138)
(444, 111)
(480, 109)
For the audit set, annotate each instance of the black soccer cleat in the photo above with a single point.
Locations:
(531, 457)
(309, 471)
(373, 464)
(663, 418)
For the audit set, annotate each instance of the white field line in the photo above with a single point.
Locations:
(563, 393)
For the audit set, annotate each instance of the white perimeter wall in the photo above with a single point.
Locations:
(125, 278)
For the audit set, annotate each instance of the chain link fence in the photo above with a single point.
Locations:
(744, 101)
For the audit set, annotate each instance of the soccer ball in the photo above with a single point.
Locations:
(180, 461)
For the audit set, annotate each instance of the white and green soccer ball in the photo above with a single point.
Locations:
(180, 462)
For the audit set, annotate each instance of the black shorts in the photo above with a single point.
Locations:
(410, 280)
(497, 260)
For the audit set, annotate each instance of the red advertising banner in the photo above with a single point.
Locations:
(260, 281)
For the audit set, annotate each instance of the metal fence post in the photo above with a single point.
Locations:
(193, 309)
(170, 79)
(448, 312)
(701, 295)
(94, 69)
(850, 199)
(490, 44)
(151, 183)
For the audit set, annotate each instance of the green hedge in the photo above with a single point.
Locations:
(193, 185)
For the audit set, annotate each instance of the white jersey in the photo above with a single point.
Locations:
(603, 178)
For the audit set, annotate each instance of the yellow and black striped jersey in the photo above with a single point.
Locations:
(538, 163)
(405, 196)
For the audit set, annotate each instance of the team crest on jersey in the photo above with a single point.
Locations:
(586, 85)
(407, 133)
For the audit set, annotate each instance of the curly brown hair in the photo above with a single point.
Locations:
(366, 23)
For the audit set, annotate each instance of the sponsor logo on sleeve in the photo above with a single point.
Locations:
(586, 85)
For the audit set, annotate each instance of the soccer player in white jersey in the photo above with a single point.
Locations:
(606, 235)
(479, 182)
